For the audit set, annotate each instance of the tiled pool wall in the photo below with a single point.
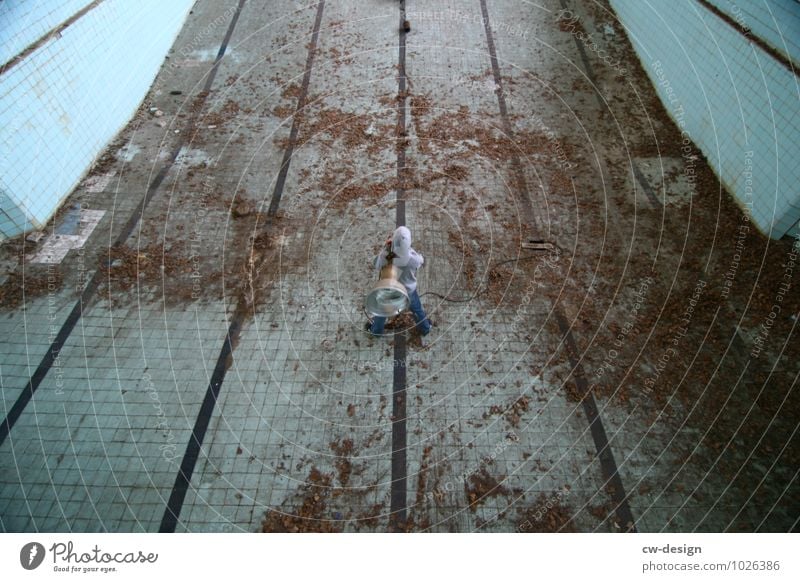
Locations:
(64, 101)
(738, 103)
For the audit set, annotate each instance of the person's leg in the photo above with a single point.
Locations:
(377, 325)
(419, 313)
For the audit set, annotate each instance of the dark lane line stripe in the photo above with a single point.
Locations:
(399, 487)
(748, 34)
(608, 465)
(48, 360)
(169, 521)
(589, 70)
(587, 67)
(644, 183)
(521, 183)
(613, 481)
(301, 103)
(190, 130)
(52, 354)
(55, 32)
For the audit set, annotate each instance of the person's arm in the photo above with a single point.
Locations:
(380, 260)
(416, 260)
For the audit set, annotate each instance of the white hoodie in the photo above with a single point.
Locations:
(407, 259)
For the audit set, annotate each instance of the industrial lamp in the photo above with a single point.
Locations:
(388, 296)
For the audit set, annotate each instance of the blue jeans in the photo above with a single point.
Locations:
(423, 324)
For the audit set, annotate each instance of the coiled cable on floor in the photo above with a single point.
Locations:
(485, 288)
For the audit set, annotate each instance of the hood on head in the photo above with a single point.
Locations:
(401, 242)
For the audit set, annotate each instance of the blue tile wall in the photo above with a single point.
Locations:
(741, 106)
(63, 103)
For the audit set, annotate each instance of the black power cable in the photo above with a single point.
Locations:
(485, 288)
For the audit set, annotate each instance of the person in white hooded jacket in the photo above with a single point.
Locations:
(407, 260)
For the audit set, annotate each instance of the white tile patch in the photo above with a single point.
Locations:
(98, 183)
(32, 111)
(745, 121)
(209, 55)
(190, 63)
(669, 179)
(56, 246)
(192, 157)
(127, 152)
